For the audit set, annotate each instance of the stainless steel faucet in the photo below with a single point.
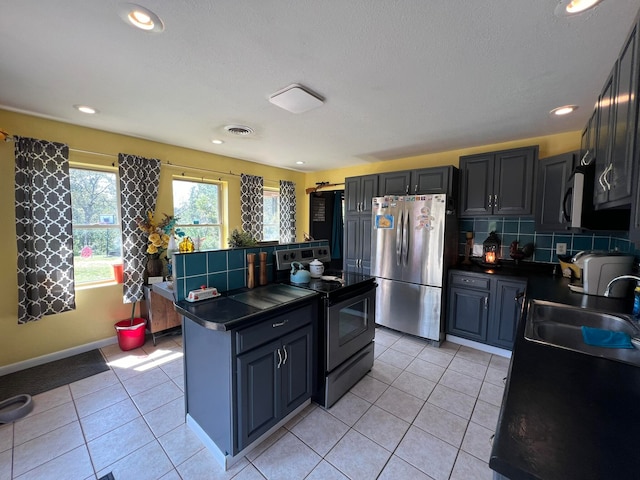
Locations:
(607, 290)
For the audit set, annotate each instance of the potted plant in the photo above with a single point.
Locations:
(241, 239)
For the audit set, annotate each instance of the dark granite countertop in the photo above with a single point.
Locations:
(228, 312)
(565, 414)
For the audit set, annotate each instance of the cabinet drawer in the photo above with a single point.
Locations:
(273, 328)
(470, 282)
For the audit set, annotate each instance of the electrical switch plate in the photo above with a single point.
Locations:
(561, 248)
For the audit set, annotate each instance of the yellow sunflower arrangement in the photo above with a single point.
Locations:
(157, 232)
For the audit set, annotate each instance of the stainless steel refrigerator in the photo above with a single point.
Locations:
(414, 240)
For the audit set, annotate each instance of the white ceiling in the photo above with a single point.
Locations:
(400, 78)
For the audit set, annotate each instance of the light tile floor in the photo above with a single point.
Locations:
(421, 413)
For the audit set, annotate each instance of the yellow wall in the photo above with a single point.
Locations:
(99, 308)
(549, 145)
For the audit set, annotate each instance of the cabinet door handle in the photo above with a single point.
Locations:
(279, 359)
(279, 324)
(489, 203)
(415, 189)
(406, 190)
(285, 355)
(486, 303)
(604, 175)
(519, 296)
(600, 180)
(495, 201)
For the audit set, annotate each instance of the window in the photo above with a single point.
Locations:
(270, 215)
(97, 233)
(197, 207)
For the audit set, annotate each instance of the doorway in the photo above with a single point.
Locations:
(326, 217)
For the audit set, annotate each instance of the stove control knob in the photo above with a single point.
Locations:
(293, 255)
(285, 256)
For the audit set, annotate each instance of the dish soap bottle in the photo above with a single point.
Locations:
(636, 301)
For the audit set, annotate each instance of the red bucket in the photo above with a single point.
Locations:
(130, 335)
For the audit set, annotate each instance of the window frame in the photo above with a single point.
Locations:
(275, 191)
(116, 226)
(221, 210)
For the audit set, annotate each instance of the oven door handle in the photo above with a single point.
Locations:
(352, 294)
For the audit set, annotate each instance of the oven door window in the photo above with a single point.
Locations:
(352, 320)
(350, 327)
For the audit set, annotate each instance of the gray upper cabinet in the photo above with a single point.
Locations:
(358, 193)
(395, 183)
(420, 182)
(604, 128)
(616, 129)
(552, 176)
(498, 183)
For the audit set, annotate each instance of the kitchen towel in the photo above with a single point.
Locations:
(598, 337)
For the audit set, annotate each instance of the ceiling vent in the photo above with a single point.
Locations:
(296, 99)
(239, 130)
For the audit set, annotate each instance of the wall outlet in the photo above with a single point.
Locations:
(561, 248)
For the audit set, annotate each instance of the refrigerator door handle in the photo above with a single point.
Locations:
(399, 237)
(405, 240)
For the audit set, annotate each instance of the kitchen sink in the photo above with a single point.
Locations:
(560, 326)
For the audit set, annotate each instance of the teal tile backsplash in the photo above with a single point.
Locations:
(224, 269)
(522, 229)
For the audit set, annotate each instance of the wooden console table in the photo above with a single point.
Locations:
(158, 310)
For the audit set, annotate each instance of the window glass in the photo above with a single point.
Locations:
(271, 215)
(197, 208)
(97, 234)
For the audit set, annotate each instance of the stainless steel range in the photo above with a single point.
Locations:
(347, 322)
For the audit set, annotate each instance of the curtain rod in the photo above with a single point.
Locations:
(166, 163)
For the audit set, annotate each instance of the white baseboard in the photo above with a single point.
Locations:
(479, 346)
(50, 357)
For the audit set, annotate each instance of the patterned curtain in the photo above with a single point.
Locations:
(43, 229)
(139, 180)
(287, 211)
(251, 204)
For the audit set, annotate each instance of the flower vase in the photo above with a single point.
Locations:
(154, 267)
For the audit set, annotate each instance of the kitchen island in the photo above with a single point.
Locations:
(248, 365)
(565, 414)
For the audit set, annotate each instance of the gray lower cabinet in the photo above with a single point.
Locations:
(241, 383)
(273, 380)
(484, 308)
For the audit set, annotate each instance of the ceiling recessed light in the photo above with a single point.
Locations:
(299, 162)
(564, 110)
(217, 142)
(140, 17)
(85, 109)
(574, 7)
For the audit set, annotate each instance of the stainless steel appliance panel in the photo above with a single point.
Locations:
(409, 308)
(424, 239)
(388, 221)
(350, 326)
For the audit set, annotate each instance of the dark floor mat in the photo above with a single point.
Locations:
(51, 375)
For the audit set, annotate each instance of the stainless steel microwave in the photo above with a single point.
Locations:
(577, 206)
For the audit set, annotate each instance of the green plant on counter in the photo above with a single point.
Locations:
(241, 239)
